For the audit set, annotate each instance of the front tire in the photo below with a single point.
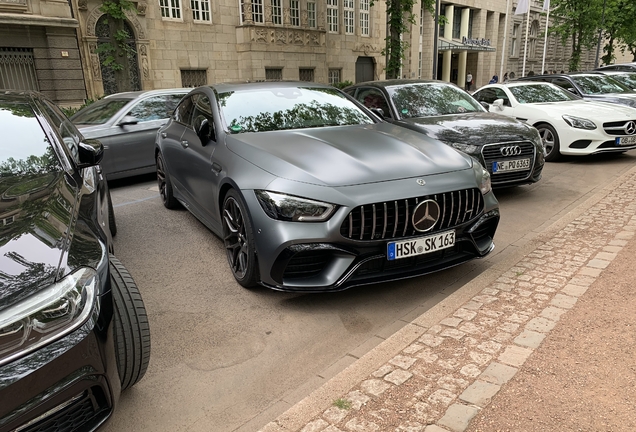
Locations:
(238, 239)
(131, 329)
(550, 140)
(165, 185)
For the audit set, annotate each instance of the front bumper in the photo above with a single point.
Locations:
(317, 257)
(582, 142)
(70, 384)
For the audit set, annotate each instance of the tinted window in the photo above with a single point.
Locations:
(270, 109)
(155, 108)
(373, 98)
(24, 148)
(541, 93)
(99, 112)
(627, 79)
(599, 84)
(486, 95)
(424, 100)
(183, 113)
(563, 83)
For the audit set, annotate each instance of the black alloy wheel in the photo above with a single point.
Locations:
(550, 141)
(165, 186)
(238, 240)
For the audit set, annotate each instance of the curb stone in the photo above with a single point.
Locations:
(436, 373)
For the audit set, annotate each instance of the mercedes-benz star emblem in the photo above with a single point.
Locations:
(513, 150)
(420, 182)
(630, 128)
(425, 215)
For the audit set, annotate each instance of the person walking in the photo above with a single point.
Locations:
(469, 81)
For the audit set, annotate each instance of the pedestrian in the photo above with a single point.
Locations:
(469, 81)
(494, 79)
(505, 78)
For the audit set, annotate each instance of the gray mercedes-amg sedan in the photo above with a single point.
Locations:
(310, 191)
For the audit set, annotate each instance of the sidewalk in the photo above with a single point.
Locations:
(547, 336)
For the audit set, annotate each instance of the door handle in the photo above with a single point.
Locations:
(164, 135)
(185, 143)
(216, 167)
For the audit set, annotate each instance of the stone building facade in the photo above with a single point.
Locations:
(39, 49)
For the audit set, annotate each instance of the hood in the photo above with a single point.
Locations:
(598, 111)
(36, 210)
(616, 98)
(93, 131)
(471, 128)
(347, 155)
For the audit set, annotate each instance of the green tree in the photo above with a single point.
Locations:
(117, 50)
(626, 32)
(579, 21)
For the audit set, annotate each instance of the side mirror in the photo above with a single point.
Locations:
(571, 90)
(499, 104)
(128, 120)
(91, 152)
(378, 111)
(485, 105)
(204, 130)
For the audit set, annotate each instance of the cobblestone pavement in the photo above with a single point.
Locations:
(447, 371)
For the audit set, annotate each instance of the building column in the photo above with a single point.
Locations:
(448, 35)
(461, 66)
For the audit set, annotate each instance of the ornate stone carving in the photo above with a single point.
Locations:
(95, 64)
(314, 39)
(95, 14)
(366, 48)
(259, 35)
(141, 8)
(303, 18)
(82, 5)
(247, 13)
(280, 37)
(268, 14)
(321, 21)
(298, 38)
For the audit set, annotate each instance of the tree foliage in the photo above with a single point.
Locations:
(578, 21)
(116, 50)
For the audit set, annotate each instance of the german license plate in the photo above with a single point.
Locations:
(628, 140)
(420, 245)
(510, 165)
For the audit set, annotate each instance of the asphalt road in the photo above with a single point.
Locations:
(225, 358)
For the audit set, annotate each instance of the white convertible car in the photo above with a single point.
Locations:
(568, 125)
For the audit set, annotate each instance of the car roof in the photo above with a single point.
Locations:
(263, 85)
(396, 82)
(136, 94)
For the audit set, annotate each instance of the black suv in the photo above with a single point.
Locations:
(593, 86)
(73, 326)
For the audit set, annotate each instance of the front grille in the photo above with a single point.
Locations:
(492, 153)
(392, 219)
(617, 128)
(307, 264)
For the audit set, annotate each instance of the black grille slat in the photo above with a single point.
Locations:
(307, 264)
(616, 128)
(492, 153)
(392, 218)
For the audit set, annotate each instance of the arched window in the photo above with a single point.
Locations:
(532, 40)
(108, 74)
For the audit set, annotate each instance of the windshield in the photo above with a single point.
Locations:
(272, 109)
(425, 100)
(599, 84)
(540, 93)
(99, 112)
(627, 79)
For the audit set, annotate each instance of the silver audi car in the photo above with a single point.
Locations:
(310, 191)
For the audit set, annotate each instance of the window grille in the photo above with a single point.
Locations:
(170, 9)
(17, 70)
(334, 76)
(364, 17)
(294, 12)
(348, 15)
(200, 10)
(194, 77)
(332, 16)
(306, 74)
(311, 14)
(273, 74)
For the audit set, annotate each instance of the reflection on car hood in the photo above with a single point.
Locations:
(620, 98)
(36, 210)
(471, 128)
(347, 155)
(593, 110)
(92, 131)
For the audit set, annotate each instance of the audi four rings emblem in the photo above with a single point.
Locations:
(425, 215)
(511, 150)
(630, 128)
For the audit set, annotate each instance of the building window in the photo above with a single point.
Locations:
(332, 16)
(311, 14)
(532, 40)
(273, 74)
(457, 23)
(334, 76)
(470, 24)
(257, 11)
(294, 12)
(306, 74)
(170, 9)
(442, 12)
(514, 41)
(349, 14)
(364, 17)
(200, 10)
(17, 70)
(419, 65)
(277, 12)
(194, 77)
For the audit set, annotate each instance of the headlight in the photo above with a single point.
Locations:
(484, 181)
(579, 123)
(50, 314)
(291, 208)
(466, 148)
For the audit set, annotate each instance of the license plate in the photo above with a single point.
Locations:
(510, 165)
(420, 245)
(629, 140)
